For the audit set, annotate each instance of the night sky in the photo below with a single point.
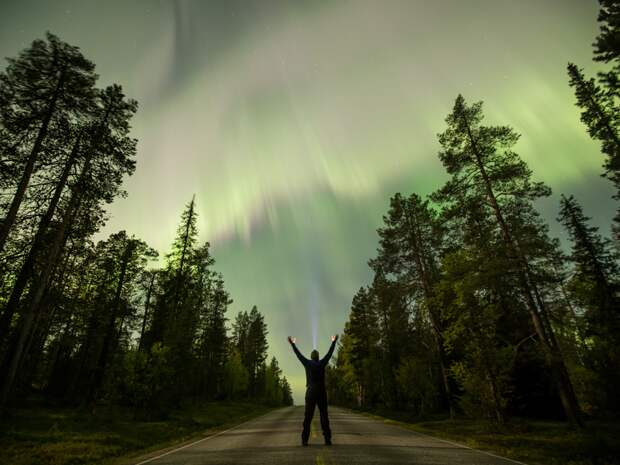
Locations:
(294, 121)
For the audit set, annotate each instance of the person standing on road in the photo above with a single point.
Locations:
(316, 394)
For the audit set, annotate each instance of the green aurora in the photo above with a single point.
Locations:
(293, 122)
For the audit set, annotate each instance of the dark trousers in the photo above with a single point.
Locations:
(316, 397)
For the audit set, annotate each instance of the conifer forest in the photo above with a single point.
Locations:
(474, 307)
(87, 320)
(468, 301)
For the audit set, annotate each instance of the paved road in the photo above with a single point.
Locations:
(274, 439)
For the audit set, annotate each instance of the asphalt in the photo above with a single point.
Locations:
(274, 439)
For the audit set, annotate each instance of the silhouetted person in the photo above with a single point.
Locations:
(316, 395)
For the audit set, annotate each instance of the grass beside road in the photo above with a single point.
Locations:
(55, 436)
(530, 441)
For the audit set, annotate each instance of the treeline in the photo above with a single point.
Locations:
(83, 322)
(474, 308)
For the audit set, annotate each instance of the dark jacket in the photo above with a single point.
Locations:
(315, 371)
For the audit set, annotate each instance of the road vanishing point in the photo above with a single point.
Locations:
(275, 439)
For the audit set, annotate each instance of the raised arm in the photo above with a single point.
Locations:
(330, 352)
(301, 358)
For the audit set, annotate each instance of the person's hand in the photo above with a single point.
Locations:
(334, 338)
(292, 340)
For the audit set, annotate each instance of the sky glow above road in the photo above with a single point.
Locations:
(294, 121)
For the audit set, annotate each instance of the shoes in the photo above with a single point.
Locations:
(328, 442)
(304, 443)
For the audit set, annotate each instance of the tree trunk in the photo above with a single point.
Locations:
(547, 339)
(11, 215)
(414, 233)
(175, 302)
(40, 284)
(27, 268)
(146, 312)
(110, 334)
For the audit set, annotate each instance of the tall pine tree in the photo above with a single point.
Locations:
(64, 82)
(485, 171)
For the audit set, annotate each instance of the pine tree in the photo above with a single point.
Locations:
(287, 393)
(595, 264)
(171, 314)
(361, 332)
(130, 259)
(64, 82)
(410, 244)
(241, 328)
(485, 171)
(601, 116)
(256, 349)
(236, 376)
(214, 340)
(250, 339)
(470, 292)
(273, 394)
(607, 44)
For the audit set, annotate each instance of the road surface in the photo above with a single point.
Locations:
(274, 439)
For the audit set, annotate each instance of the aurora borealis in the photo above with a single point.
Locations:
(294, 121)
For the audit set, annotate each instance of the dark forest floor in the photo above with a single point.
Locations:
(534, 442)
(61, 436)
